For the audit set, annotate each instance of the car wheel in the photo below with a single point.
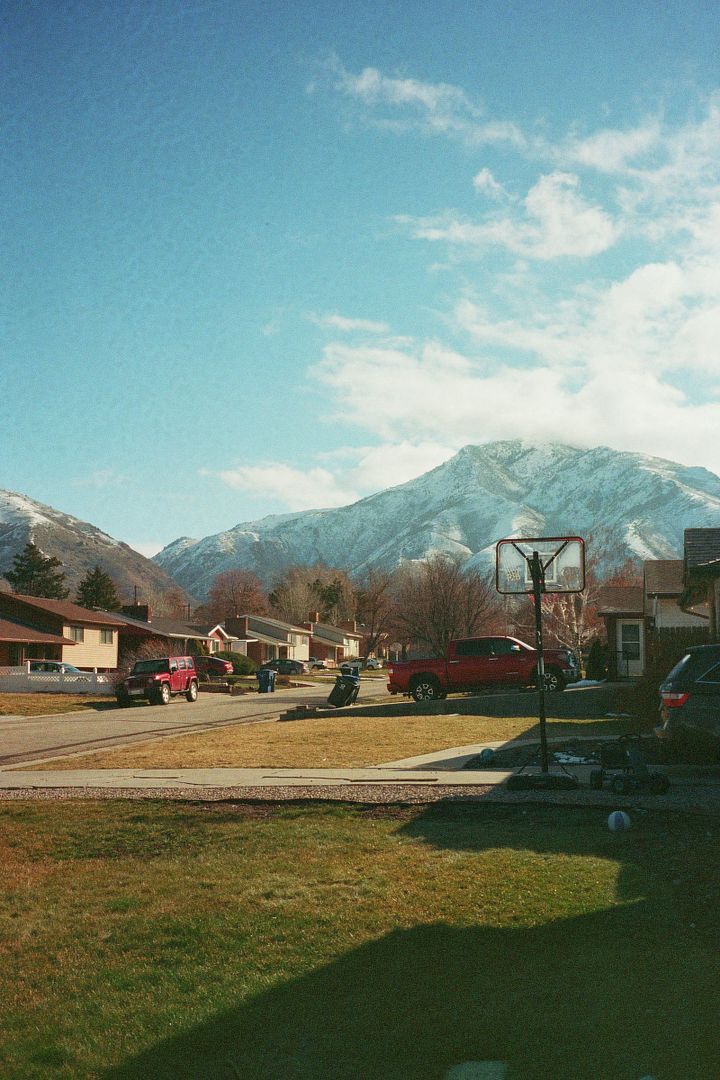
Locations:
(553, 681)
(163, 694)
(192, 693)
(425, 689)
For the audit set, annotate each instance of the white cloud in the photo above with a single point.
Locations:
(298, 489)
(486, 184)
(557, 222)
(611, 150)
(347, 325)
(432, 108)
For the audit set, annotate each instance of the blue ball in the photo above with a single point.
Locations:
(618, 821)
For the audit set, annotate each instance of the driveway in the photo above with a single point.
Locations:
(37, 738)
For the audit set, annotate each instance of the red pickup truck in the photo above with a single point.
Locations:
(475, 663)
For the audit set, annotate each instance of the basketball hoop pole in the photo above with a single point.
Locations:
(537, 572)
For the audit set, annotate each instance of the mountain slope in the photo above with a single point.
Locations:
(78, 545)
(631, 504)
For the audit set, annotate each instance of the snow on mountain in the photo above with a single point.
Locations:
(631, 505)
(78, 545)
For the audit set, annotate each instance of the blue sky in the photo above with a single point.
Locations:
(262, 257)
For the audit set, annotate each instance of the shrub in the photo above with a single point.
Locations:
(242, 665)
(598, 660)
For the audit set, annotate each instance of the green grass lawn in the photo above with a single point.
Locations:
(145, 941)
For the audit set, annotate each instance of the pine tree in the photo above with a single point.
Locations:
(97, 590)
(34, 574)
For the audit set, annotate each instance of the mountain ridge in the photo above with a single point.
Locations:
(78, 545)
(632, 504)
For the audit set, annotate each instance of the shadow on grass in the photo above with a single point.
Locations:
(615, 994)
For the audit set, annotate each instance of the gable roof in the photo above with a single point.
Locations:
(62, 609)
(663, 577)
(621, 600)
(702, 547)
(16, 631)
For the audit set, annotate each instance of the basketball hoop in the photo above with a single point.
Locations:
(537, 566)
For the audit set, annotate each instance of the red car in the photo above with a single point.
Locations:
(159, 680)
(213, 665)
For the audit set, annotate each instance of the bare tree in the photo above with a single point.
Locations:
(305, 589)
(374, 607)
(436, 601)
(233, 592)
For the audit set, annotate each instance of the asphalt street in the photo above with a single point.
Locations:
(37, 738)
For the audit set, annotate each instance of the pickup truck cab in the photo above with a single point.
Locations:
(476, 663)
(159, 680)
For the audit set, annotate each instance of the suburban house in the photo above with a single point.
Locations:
(34, 628)
(333, 643)
(622, 608)
(701, 575)
(19, 642)
(219, 639)
(138, 626)
(639, 619)
(263, 639)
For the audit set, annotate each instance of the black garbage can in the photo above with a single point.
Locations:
(266, 680)
(345, 691)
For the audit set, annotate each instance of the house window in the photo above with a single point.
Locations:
(106, 637)
(76, 633)
(630, 641)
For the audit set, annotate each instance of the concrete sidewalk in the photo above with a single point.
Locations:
(148, 779)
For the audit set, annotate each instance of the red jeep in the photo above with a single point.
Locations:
(159, 680)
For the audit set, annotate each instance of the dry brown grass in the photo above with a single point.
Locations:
(330, 742)
(50, 704)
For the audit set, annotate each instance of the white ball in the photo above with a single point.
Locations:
(618, 821)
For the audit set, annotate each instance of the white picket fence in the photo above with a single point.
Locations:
(18, 680)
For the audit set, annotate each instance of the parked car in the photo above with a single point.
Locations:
(690, 699)
(476, 663)
(373, 663)
(314, 663)
(285, 667)
(159, 680)
(212, 665)
(54, 667)
(59, 667)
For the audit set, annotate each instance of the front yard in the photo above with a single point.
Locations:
(329, 742)
(317, 942)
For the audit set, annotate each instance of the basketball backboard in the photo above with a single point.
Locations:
(562, 559)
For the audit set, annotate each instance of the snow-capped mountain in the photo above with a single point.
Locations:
(630, 504)
(79, 547)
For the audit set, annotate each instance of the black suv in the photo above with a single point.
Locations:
(690, 698)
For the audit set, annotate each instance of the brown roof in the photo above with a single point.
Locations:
(621, 600)
(14, 631)
(663, 577)
(65, 610)
(702, 547)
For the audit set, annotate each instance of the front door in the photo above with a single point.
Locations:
(630, 647)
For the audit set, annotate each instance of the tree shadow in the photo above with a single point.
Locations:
(613, 994)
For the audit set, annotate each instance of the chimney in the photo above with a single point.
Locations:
(141, 612)
(314, 616)
(238, 625)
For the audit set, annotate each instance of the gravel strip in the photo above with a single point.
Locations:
(700, 800)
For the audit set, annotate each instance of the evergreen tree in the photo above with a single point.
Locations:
(97, 590)
(34, 574)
